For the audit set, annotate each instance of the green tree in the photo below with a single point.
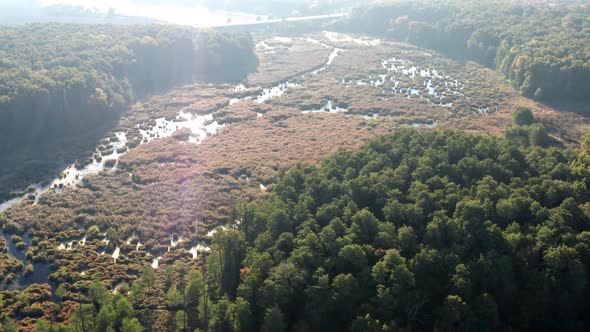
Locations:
(318, 300)
(123, 309)
(345, 288)
(174, 298)
(461, 282)
(131, 325)
(10, 325)
(43, 326)
(98, 292)
(286, 280)
(538, 135)
(522, 117)
(193, 293)
(229, 247)
(351, 259)
(452, 315)
(243, 319)
(273, 321)
(148, 276)
(105, 320)
(484, 314)
(408, 241)
(123, 288)
(137, 292)
(366, 324)
(364, 226)
(396, 288)
(538, 94)
(221, 318)
(181, 321)
(84, 318)
(60, 291)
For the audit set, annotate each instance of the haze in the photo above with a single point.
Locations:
(194, 13)
(294, 166)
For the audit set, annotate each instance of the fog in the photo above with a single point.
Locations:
(177, 12)
(113, 11)
(183, 12)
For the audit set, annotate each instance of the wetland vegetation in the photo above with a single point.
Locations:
(542, 49)
(279, 179)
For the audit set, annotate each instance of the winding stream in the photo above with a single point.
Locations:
(331, 58)
(435, 87)
(200, 126)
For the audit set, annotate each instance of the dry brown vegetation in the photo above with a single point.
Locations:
(282, 59)
(170, 186)
(482, 87)
(8, 265)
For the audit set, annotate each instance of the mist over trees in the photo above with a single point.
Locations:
(417, 230)
(543, 50)
(60, 79)
(277, 8)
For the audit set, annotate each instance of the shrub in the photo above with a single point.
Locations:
(107, 152)
(538, 94)
(523, 117)
(15, 238)
(110, 163)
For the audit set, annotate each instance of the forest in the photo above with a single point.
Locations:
(63, 86)
(67, 79)
(543, 50)
(417, 231)
(455, 205)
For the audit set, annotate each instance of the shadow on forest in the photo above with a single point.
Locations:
(44, 157)
(578, 107)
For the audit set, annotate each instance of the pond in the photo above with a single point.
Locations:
(200, 127)
(275, 91)
(329, 107)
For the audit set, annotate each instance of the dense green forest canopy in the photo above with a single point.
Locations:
(421, 231)
(58, 78)
(544, 50)
(417, 231)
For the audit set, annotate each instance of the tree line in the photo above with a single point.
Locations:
(544, 50)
